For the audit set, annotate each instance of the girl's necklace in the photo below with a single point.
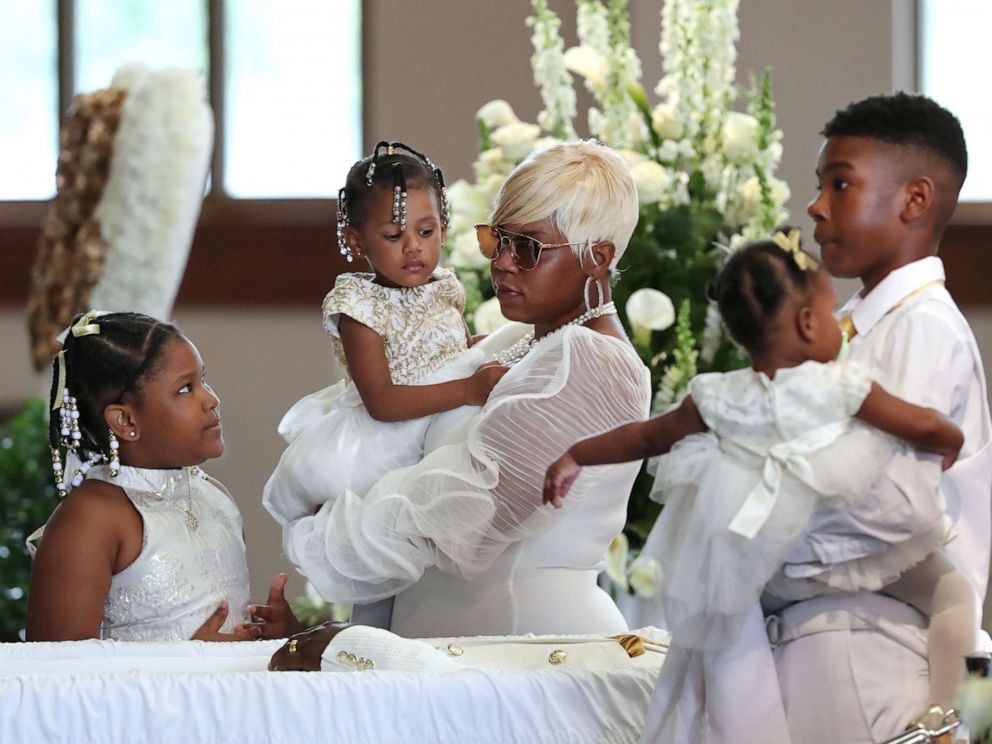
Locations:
(514, 353)
(168, 490)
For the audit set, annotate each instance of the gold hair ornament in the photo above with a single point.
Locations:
(789, 242)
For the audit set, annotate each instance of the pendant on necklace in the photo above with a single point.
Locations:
(191, 521)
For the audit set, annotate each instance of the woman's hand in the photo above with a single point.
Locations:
(560, 476)
(210, 630)
(302, 652)
(482, 382)
(275, 617)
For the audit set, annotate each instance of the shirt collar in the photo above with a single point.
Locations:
(868, 310)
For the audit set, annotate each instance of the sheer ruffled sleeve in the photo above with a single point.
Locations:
(464, 503)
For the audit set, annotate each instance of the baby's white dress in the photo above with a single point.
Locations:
(192, 557)
(334, 444)
(739, 497)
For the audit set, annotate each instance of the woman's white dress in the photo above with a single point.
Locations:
(334, 444)
(182, 574)
(738, 499)
(461, 538)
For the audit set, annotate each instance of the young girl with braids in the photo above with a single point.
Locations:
(144, 546)
(399, 331)
(747, 456)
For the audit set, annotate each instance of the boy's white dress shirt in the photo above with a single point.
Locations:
(911, 333)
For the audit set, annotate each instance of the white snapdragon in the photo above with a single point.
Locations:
(649, 310)
(488, 316)
(550, 74)
(516, 140)
(496, 114)
(652, 180)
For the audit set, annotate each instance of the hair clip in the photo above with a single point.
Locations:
(789, 242)
(85, 325)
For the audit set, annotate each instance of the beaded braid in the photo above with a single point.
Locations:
(103, 359)
(391, 156)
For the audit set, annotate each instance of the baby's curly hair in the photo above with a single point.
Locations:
(753, 286)
(905, 120)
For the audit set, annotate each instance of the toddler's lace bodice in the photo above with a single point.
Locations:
(422, 327)
(192, 558)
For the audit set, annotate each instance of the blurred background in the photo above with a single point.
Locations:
(301, 88)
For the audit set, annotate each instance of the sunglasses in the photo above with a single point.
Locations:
(524, 250)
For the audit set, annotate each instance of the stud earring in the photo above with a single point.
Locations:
(132, 434)
(115, 460)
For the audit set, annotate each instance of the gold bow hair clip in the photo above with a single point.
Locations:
(789, 242)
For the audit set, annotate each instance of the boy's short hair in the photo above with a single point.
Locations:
(585, 187)
(905, 120)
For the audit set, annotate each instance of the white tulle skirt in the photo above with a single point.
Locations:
(335, 445)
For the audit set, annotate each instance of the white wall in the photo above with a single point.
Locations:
(430, 66)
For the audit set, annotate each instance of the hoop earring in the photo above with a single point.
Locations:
(587, 293)
(114, 454)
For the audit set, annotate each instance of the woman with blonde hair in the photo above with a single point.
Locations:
(461, 539)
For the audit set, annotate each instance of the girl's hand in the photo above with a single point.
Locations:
(482, 382)
(559, 479)
(210, 630)
(275, 617)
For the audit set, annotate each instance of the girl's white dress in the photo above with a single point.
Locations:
(739, 497)
(334, 444)
(182, 573)
(461, 538)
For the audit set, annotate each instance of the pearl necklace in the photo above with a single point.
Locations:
(514, 353)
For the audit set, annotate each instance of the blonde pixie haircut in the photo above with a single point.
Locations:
(584, 187)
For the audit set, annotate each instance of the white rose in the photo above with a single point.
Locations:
(780, 191)
(465, 253)
(496, 114)
(649, 310)
(740, 137)
(490, 186)
(632, 157)
(616, 560)
(588, 63)
(668, 151)
(467, 202)
(749, 197)
(652, 181)
(664, 123)
(488, 317)
(645, 576)
(516, 140)
(492, 162)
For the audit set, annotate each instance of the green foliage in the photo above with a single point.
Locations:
(27, 498)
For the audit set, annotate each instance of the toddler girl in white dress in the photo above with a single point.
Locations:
(752, 452)
(145, 546)
(400, 333)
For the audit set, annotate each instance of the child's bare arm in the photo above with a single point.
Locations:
(72, 570)
(656, 436)
(385, 401)
(924, 428)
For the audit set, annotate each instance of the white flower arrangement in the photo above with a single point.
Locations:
(704, 174)
(154, 190)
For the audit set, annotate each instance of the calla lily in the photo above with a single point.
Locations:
(616, 560)
(649, 310)
(645, 576)
(588, 63)
(496, 114)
